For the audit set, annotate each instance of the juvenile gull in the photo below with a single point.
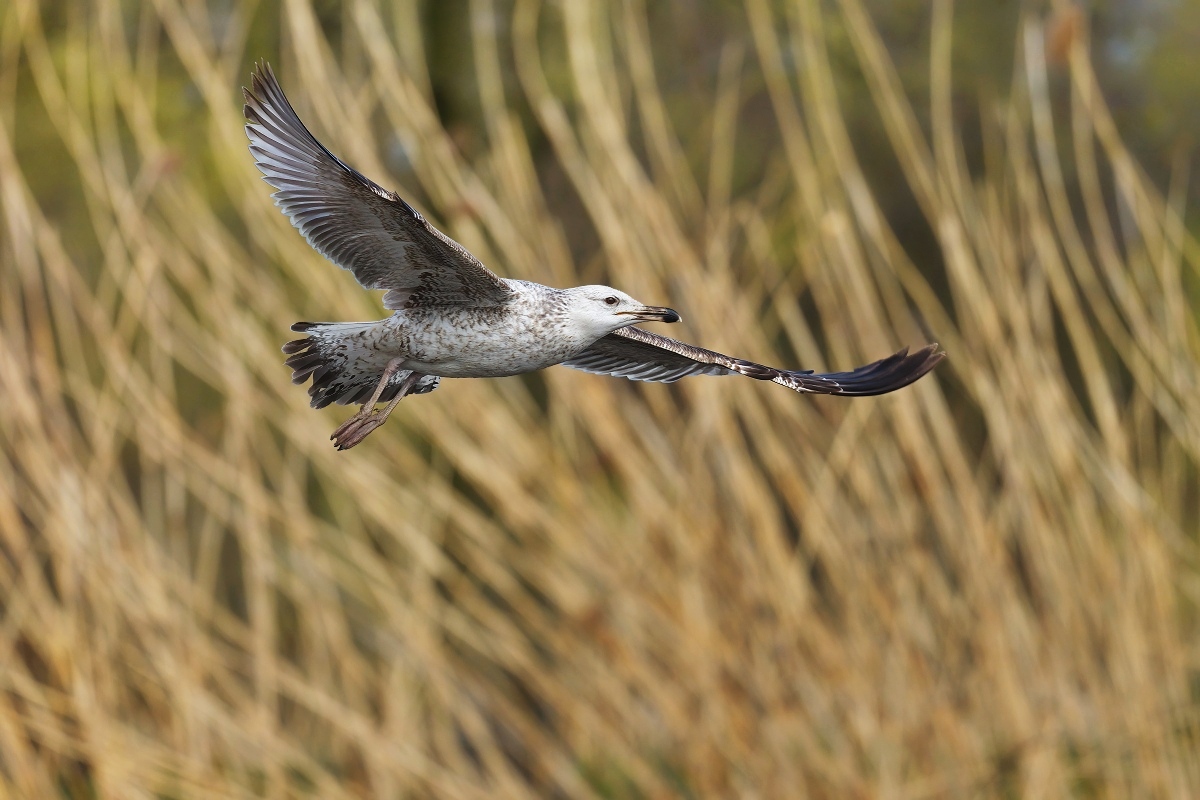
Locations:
(454, 318)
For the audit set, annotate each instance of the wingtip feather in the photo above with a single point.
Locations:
(886, 375)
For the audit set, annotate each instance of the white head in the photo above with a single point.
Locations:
(603, 309)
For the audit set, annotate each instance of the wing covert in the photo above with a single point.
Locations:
(643, 356)
(354, 222)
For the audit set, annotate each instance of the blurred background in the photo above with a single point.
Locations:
(562, 585)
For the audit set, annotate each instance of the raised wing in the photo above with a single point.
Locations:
(354, 222)
(643, 356)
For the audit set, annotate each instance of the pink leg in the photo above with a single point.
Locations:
(355, 429)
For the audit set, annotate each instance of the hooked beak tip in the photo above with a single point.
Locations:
(653, 314)
(659, 314)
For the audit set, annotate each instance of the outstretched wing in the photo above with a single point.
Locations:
(643, 356)
(354, 222)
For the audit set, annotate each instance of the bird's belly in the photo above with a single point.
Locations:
(478, 365)
(485, 353)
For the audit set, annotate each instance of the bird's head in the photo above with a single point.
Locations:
(603, 309)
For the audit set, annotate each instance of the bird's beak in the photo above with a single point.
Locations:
(653, 314)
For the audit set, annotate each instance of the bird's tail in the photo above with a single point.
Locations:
(343, 368)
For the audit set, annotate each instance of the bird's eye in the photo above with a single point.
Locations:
(612, 301)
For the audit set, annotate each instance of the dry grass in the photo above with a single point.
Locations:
(983, 586)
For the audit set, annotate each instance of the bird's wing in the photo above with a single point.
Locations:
(643, 356)
(354, 222)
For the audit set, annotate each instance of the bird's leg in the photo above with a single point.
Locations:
(389, 371)
(355, 429)
(355, 434)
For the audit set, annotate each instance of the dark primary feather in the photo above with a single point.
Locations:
(353, 221)
(643, 356)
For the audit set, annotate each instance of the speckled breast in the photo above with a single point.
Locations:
(483, 342)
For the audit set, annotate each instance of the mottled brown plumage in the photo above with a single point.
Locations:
(453, 317)
(644, 356)
(354, 222)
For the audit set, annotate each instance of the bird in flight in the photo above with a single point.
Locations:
(452, 316)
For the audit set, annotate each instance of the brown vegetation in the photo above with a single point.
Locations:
(568, 586)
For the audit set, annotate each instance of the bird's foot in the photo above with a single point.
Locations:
(355, 429)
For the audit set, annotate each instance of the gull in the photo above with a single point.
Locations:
(452, 316)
